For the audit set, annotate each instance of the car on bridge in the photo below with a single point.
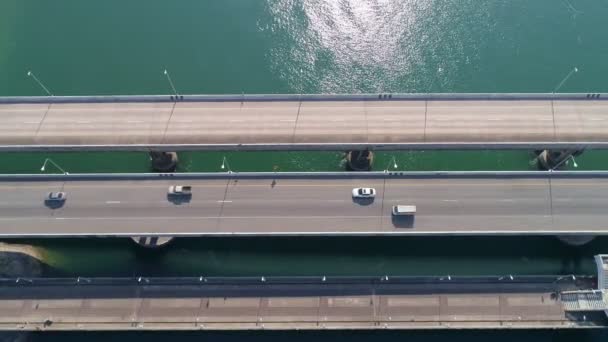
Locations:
(56, 196)
(364, 193)
(180, 190)
(404, 210)
(55, 199)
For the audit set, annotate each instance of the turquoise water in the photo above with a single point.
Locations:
(314, 46)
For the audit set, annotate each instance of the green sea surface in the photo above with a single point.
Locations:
(82, 47)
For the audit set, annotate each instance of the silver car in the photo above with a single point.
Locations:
(364, 193)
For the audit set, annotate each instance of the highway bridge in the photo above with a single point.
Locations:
(304, 122)
(281, 204)
(313, 303)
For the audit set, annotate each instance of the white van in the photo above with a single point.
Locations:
(404, 210)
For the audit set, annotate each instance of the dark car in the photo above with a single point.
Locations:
(56, 196)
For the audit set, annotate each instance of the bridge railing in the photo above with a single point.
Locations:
(297, 175)
(307, 97)
(270, 280)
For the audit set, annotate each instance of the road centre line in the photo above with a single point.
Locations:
(189, 218)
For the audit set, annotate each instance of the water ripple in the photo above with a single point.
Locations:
(373, 46)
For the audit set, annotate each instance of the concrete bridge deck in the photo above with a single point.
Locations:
(389, 304)
(229, 205)
(305, 122)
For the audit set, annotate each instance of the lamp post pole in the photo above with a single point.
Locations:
(225, 165)
(170, 82)
(573, 71)
(49, 160)
(394, 162)
(46, 90)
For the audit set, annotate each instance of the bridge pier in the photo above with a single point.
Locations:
(152, 241)
(164, 161)
(359, 160)
(576, 240)
(555, 159)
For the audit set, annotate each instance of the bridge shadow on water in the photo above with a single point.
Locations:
(322, 336)
(314, 256)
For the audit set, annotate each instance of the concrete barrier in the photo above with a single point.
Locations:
(301, 175)
(270, 280)
(582, 145)
(308, 97)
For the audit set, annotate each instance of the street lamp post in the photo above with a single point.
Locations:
(225, 165)
(392, 161)
(574, 70)
(46, 90)
(170, 82)
(49, 160)
(566, 161)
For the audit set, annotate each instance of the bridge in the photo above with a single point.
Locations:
(275, 303)
(304, 122)
(281, 204)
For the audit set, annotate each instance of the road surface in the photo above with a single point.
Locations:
(303, 125)
(286, 306)
(445, 206)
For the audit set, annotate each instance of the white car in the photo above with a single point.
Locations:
(364, 193)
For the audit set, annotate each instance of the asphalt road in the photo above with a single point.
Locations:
(310, 124)
(307, 207)
(294, 306)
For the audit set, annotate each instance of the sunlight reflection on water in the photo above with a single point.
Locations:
(374, 46)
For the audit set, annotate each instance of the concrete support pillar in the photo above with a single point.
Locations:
(152, 241)
(164, 161)
(576, 240)
(555, 159)
(359, 160)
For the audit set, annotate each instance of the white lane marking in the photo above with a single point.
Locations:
(597, 119)
(112, 202)
(506, 200)
(494, 119)
(287, 120)
(544, 119)
(83, 122)
(224, 201)
(188, 218)
(337, 120)
(31, 122)
(234, 120)
(449, 200)
(135, 121)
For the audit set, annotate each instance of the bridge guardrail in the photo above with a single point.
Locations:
(305, 97)
(297, 175)
(286, 280)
